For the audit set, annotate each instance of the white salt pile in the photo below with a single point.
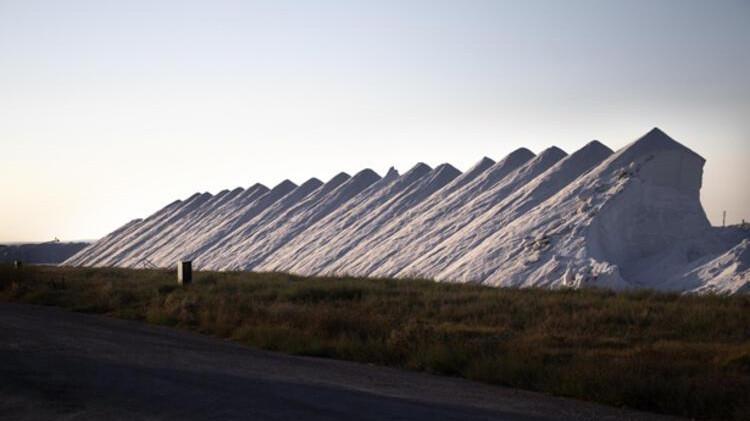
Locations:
(630, 219)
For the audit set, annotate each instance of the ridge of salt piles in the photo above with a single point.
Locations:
(620, 220)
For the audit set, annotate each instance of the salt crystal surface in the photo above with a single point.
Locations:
(629, 219)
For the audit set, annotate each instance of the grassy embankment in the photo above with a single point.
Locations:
(682, 355)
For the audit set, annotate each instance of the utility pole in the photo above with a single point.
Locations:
(724, 219)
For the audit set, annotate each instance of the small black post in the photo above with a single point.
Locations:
(184, 272)
(17, 264)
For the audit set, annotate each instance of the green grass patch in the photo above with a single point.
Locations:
(668, 353)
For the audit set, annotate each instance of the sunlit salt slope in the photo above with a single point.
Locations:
(625, 219)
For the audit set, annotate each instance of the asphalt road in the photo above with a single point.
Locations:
(61, 365)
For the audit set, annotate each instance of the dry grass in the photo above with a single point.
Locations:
(682, 355)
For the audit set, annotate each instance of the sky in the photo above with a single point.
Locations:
(109, 110)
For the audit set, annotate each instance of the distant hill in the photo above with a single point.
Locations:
(52, 252)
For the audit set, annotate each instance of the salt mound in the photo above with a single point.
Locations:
(523, 199)
(727, 273)
(633, 221)
(630, 219)
(415, 233)
(249, 251)
(320, 233)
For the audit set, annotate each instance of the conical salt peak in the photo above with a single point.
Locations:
(521, 153)
(446, 168)
(596, 145)
(482, 165)
(658, 139)
(391, 174)
(485, 161)
(286, 184)
(419, 167)
(339, 178)
(366, 173)
(653, 141)
(193, 197)
(313, 182)
(257, 186)
(516, 158)
(553, 151)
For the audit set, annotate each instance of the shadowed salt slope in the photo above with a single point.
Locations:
(325, 229)
(253, 232)
(87, 254)
(151, 240)
(150, 231)
(336, 237)
(528, 192)
(726, 273)
(245, 205)
(265, 216)
(630, 219)
(247, 252)
(183, 241)
(407, 235)
(633, 221)
(118, 238)
(412, 196)
(470, 208)
(175, 234)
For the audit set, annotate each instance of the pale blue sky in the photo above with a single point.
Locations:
(111, 109)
